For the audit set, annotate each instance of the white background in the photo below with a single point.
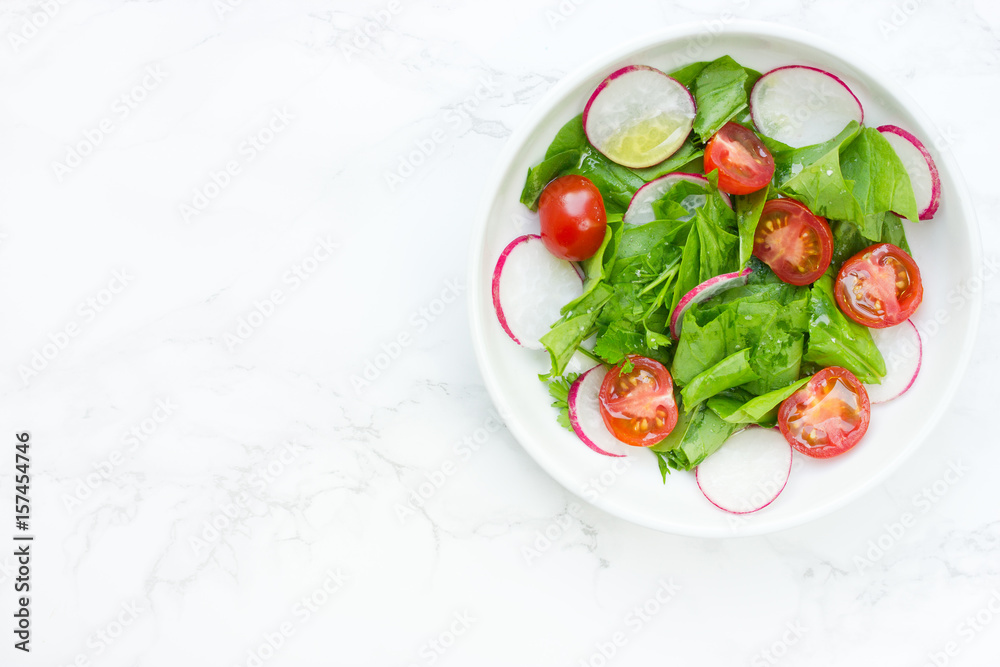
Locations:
(261, 503)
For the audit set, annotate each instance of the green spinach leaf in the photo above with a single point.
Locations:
(748, 210)
(881, 183)
(836, 340)
(682, 160)
(571, 153)
(790, 162)
(698, 434)
(720, 94)
(758, 410)
(732, 371)
(576, 325)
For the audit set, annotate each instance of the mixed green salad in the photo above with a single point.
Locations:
(748, 265)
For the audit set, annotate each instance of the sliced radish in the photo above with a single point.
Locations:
(530, 285)
(585, 414)
(639, 116)
(640, 209)
(919, 165)
(748, 472)
(705, 291)
(801, 106)
(903, 350)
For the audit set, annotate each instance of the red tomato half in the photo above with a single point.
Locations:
(795, 243)
(571, 211)
(638, 407)
(827, 416)
(879, 287)
(744, 163)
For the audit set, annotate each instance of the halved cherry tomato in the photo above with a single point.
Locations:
(571, 211)
(795, 243)
(638, 407)
(744, 163)
(827, 416)
(879, 287)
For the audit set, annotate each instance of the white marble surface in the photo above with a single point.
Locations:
(236, 161)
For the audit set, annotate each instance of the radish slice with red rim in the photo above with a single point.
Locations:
(638, 116)
(801, 106)
(703, 292)
(919, 165)
(530, 286)
(640, 209)
(585, 414)
(748, 472)
(902, 349)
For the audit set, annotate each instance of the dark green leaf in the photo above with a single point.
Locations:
(661, 460)
(542, 174)
(848, 240)
(569, 137)
(893, 232)
(732, 371)
(680, 201)
(766, 317)
(591, 301)
(752, 76)
(687, 74)
(701, 345)
(698, 434)
(711, 248)
(641, 240)
(571, 153)
(565, 337)
(616, 183)
(835, 340)
(688, 277)
(856, 176)
(758, 410)
(720, 94)
(717, 247)
(748, 210)
(821, 187)
(579, 322)
(881, 183)
(790, 162)
(598, 266)
(772, 323)
(681, 160)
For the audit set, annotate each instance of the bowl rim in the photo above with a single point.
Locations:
(514, 144)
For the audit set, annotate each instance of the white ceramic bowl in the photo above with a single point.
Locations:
(947, 249)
